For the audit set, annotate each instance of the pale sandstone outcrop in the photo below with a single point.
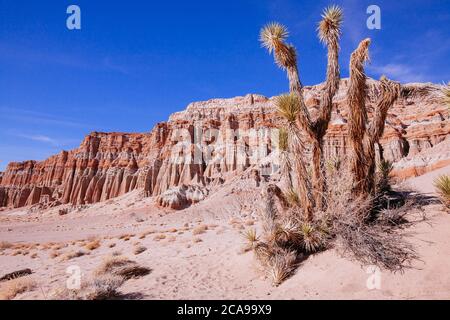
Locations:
(107, 165)
(181, 197)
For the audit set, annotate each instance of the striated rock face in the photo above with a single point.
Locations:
(211, 142)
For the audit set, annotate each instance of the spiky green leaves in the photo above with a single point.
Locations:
(312, 239)
(273, 35)
(251, 237)
(288, 106)
(329, 28)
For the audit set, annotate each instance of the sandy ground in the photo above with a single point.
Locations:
(189, 264)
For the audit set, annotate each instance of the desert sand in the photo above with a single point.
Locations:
(197, 253)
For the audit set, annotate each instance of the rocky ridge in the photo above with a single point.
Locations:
(212, 141)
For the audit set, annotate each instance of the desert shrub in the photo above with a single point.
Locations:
(368, 231)
(159, 237)
(139, 249)
(382, 244)
(10, 289)
(121, 266)
(105, 287)
(5, 245)
(101, 287)
(442, 185)
(200, 229)
(92, 245)
(73, 254)
(281, 266)
(251, 237)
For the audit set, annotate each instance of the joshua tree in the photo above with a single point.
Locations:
(362, 137)
(273, 38)
(329, 33)
(289, 107)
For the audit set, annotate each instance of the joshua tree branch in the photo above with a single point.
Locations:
(358, 115)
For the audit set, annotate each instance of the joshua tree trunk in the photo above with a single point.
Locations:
(390, 91)
(273, 38)
(363, 139)
(303, 182)
(321, 124)
(357, 115)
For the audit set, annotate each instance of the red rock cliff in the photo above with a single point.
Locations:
(107, 165)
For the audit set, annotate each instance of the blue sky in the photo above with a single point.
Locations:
(133, 62)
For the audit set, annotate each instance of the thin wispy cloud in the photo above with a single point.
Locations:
(28, 55)
(39, 138)
(28, 116)
(399, 72)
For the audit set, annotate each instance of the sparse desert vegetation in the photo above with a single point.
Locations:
(93, 244)
(442, 185)
(199, 229)
(329, 201)
(11, 288)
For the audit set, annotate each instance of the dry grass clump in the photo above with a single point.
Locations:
(281, 266)
(251, 237)
(102, 287)
(146, 233)
(159, 237)
(73, 254)
(5, 245)
(10, 289)
(105, 287)
(121, 266)
(379, 244)
(92, 245)
(139, 249)
(200, 229)
(442, 185)
(126, 236)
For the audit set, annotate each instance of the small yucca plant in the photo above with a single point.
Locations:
(312, 239)
(288, 232)
(281, 266)
(251, 237)
(263, 252)
(288, 106)
(442, 185)
(292, 198)
(384, 170)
